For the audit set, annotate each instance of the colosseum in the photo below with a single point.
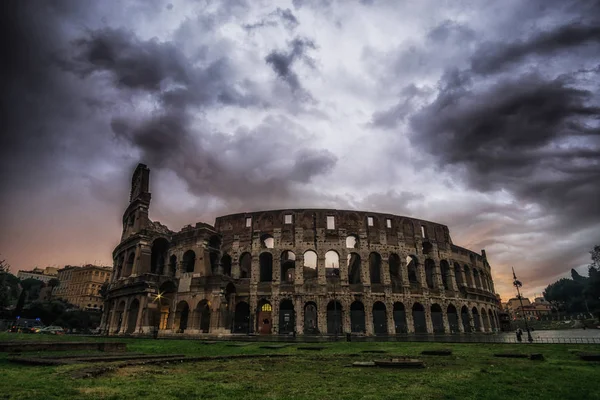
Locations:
(294, 271)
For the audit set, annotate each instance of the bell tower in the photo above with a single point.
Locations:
(135, 217)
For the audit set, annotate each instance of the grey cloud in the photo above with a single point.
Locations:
(493, 57)
(502, 136)
(286, 16)
(450, 30)
(391, 117)
(281, 62)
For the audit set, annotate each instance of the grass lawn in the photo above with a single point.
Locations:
(470, 373)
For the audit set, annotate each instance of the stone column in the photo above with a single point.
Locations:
(255, 269)
(253, 303)
(437, 278)
(389, 313)
(452, 280)
(322, 314)
(369, 318)
(461, 328)
(445, 320)
(428, 321)
(410, 323)
(385, 271)
(141, 311)
(299, 315)
(321, 269)
(276, 275)
(299, 270)
(275, 303)
(135, 270)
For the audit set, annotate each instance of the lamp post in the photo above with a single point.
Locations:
(517, 284)
(158, 315)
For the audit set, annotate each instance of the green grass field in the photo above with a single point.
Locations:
(470, 373)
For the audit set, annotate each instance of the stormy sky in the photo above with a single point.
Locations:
(481, 115)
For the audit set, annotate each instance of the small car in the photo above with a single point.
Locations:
(52, 330)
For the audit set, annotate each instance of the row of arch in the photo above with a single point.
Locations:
(468, 320)
(222, 264)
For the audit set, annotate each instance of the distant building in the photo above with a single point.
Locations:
(80, 286)
(529, 310)
(44, 275)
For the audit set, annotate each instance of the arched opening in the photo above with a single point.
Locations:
(181, 316)
(245, 265)
(418, 314)
(332, 264)
(445, 268)
(427, 248)
(189, 261)
(476, 320)
(466, 319)
(354, 269)
(357, 317)
(228, 306)
(400, 318)
(334, 317)
(412, 268)
(484, 281)
(287, 317)
(351, 242)
(164, 300)
(375, 267)
(132, 316)
(173, 265)
(430, 273)
(492, 321)
(309, 269)
(395, 274)
(120, 310)
(129, 265)
(264, 317)
(288, 266)
(458, 275)
(266, 267)
(452, 319)
(158, 256)
(476, 278)
(468, 276)
(241, 318)
(226, 264)
(311, 319)
(214, 252)
(203, 316)
(267, 241)
(379, 318)
(486, 320)
(437, 318)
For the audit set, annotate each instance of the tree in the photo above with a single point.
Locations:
(53, 283)
(565, 295)
(32, 288)
(9, 285)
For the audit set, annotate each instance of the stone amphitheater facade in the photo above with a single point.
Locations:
(294, 271)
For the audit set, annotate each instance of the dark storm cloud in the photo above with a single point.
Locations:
(530, 135)
(391, 117)
(281, 62)
(169, 139)
(493, 57)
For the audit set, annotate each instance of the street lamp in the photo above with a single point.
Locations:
(158, 315)
(517, 284)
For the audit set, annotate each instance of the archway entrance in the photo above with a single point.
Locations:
(311, 321)
(464, 315)
(203, 312)
(357, 317)
(418, 313)
(181, 316)
(476, 320)
(400, 318)
(334, 317)
(241, 323)
(132, 316)
(379, 319)
(437, 319)
(452, 319)
(263, 319)
(287, 318)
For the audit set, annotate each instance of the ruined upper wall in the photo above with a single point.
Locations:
(388, 226)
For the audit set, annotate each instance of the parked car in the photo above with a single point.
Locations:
(25, 325)
(52, 330)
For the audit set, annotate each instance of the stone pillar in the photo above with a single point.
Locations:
(321, 269)
(369, 318)
(410, 323)
(445, 320)
(464, 277)
(471, 320)
(461, 328)
(253, 303)
(276, 273)
(346, 323)
(137, 267)
(125, 322)
(255, 269)
(437, 275)
(275, 303)
(322, 314)
(141, 312)
(452, 280)
(299, 315)
(299, 270)
(428, 321)
(389, 313)
(385, 271)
